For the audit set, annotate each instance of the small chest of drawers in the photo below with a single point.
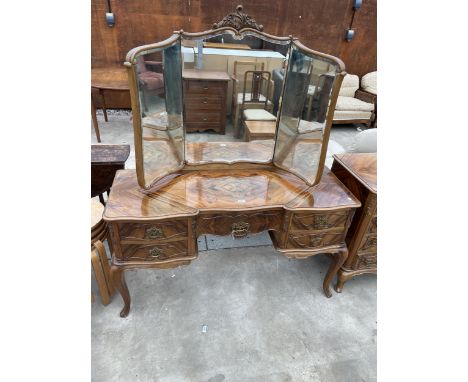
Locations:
(205, 95)
(358, 172)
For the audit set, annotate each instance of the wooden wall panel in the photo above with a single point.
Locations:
(319, 24)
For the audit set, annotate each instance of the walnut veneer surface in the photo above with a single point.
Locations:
(358, 172)
(205, 100)
(159, 228)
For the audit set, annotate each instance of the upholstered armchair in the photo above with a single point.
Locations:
(368, 92)
(352, 105)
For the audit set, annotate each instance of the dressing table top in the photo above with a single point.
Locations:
(189, 193)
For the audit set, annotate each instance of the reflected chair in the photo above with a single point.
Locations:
(254, 103)
(240, 68)
(151, 82)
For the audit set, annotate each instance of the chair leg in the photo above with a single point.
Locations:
(105, 265)
(95, 121)
(236, 121)
(104, 108)
(100, 277)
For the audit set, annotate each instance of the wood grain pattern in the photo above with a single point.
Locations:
(189, 193)
(359, 173)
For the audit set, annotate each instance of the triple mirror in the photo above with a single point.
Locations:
(231, 94)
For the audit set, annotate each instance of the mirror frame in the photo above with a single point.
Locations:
(237, 24)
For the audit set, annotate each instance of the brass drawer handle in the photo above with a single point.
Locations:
(154, 233)
(157, 253)
(205, 100)
(321, 222)
(240, 229)
(316, 241)
(205, 87)
(205, 119)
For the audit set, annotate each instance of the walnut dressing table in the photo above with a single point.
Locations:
(189, 182)
(159, 229)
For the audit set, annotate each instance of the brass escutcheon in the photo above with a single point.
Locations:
(154, 233)
(156, 252)
(240, 229)
(316, 241)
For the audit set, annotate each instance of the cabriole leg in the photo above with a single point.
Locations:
(118, 279)
(338, 260)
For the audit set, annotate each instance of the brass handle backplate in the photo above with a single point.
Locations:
(321, 222)
(154, 233)
(316, 241)
(240, 229)
(156, 253)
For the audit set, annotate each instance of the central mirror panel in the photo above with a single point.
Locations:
(232, 87)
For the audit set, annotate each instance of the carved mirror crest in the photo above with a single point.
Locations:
(231, 94)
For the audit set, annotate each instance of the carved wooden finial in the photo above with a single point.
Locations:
(238, 20)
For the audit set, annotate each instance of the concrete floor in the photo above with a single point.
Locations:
(240, 312)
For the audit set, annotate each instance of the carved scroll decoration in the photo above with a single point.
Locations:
(238, 20)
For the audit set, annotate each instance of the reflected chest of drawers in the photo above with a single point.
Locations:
(358, 172)
(159, 229)
(205, 95)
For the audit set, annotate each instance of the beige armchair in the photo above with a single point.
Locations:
(352, 105)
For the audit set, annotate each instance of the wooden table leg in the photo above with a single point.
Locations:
(104, 109)
(118, 278)
(339, 257)
(95, 121)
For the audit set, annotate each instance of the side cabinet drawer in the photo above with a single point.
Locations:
(154, 252)
(314, 240)
(176, 229)
(318, 221)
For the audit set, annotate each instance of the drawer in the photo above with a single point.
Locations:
(176, 229)
(196, 116)
(205, 87)
(312, 241)
(239, 225)
(154, 252)
(204, 102)
(367, 261)
(318, 221)
(369, 243)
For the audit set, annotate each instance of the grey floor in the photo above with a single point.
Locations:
(240, 312)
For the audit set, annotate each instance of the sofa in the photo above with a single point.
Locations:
(352, 106)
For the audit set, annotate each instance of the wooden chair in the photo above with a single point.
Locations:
(254, 104)
(240, 68)
(99, 261)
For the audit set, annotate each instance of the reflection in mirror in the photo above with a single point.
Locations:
(159, 82)
(304, 110)
(232, 85)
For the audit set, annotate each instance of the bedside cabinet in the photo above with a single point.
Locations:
(358, 172)
(205, 100)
